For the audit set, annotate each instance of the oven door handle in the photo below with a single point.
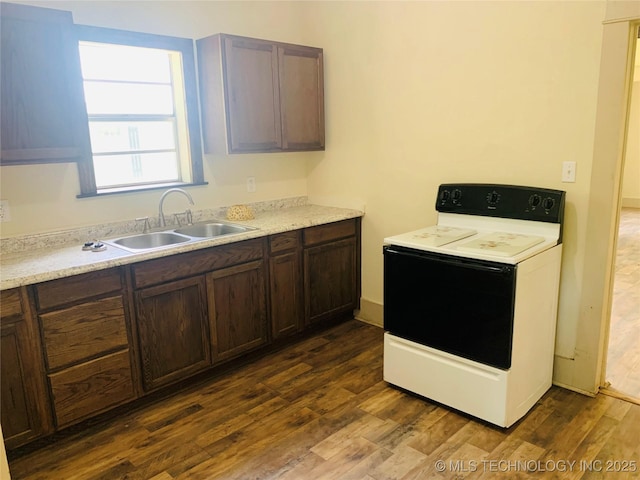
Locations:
(452, 261)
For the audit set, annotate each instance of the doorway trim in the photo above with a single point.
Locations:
(584, 371)
(634, 39)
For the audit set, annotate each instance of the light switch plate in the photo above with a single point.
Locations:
(569, 172)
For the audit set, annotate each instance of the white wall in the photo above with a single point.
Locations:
(631, 175)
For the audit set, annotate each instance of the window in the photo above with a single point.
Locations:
(140, 97)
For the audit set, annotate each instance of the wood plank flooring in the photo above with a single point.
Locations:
(623, 358)
(319, 409)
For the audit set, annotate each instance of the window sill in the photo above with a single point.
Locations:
(138, 189)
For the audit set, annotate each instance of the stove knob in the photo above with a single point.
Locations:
(534, 200)
(445, 195)
(457, 194)
(548, 203)
(493, 198)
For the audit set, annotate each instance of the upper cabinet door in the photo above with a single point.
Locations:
(301, 97)
(252, 95)
(43, 116)
(269, 95)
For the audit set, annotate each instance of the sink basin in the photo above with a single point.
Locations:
(191, 233)
(147, 241)
(208, 230)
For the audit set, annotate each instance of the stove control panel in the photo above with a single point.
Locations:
(506, 201)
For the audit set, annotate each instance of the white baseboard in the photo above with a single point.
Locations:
(574, 389)
(628, 202)
(370, 312)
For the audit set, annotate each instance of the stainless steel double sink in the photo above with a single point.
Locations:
(143, 242)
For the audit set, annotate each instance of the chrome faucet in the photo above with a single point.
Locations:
(161, 220)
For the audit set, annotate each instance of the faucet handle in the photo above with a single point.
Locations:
(147, 225)
(188, 217)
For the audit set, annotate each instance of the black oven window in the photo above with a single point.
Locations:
(460, 306)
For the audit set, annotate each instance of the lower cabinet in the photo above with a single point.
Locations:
(199, 308)
(173, 328)
(238, 312)
(331, 271)
(79, 346)
(25, 413)
(285, 284)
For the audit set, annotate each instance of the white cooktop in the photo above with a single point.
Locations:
(500, 240)
(503, 244)
(437, 235)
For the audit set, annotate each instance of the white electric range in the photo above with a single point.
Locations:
(470, 303)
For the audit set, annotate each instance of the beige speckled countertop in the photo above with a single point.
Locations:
(41, 262)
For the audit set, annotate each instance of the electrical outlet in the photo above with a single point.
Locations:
(569, 172)
(5, 213)
(251, 184)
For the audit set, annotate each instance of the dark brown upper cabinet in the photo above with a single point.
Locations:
(260, 96)
(43, 115)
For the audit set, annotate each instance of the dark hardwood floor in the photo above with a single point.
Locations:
(319, 409)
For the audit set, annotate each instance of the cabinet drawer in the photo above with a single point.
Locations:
(330, 231)
(84, 331)
(174, 267)
(91, 387)
(284, 241)
(71, 289)
(10, 303)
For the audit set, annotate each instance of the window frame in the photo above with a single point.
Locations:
(185, 46)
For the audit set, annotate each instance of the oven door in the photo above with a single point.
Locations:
(458, 305)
